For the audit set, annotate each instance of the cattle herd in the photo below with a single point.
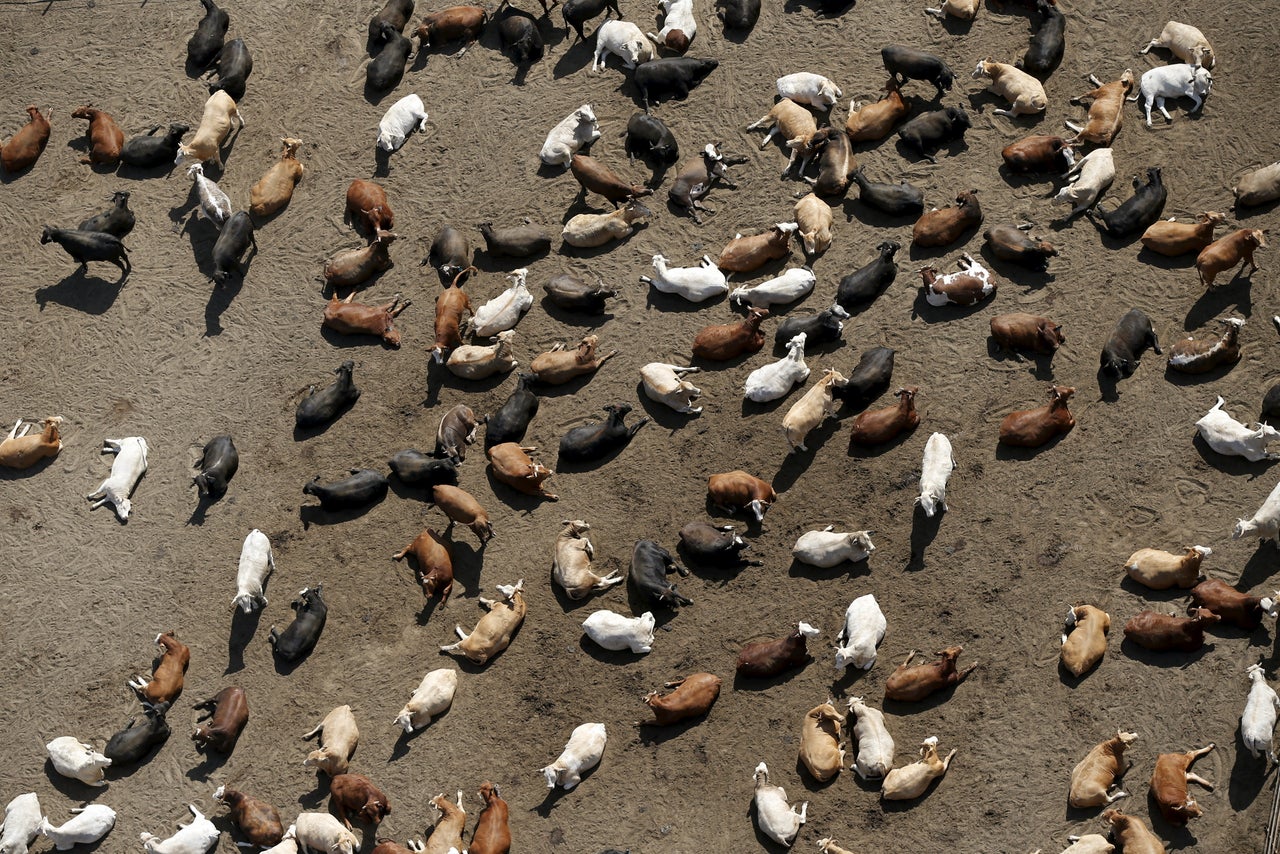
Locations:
(477, 341)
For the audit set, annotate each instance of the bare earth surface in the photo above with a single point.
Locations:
(167, 357)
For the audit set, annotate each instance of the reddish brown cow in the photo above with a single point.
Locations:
(947, 225)
(166, 680)
(721, 342)
(454, 24)
(769, 658)
(435, 563)
(350, 268)
(737, 490)
(227, 713)
(1037, 154)
(873, 122)
(1169, 785)
(258, 821)
(1231, 605)
(355, 318)
(25, 147)
(513, 466)
(694, 695)
(1163, 633)
(105, 137)
(745, 254)
(460, 506)
(1106, 112)
(452, 304)
(491, 836)
(1225, 252)
(1031, 428)
(355, 793)
(1019, 331)
(878, 426)
(597, 178)
(910, 684)
(367, 205)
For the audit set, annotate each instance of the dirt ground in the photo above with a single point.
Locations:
(166, 356)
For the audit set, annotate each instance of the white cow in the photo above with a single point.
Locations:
(256, 563)
(1093, 174)
(580, 754)
(616, 632)
(864, 626)
(399, 121)
(197, 837)
(935, 470)
(432, 697)
(875, 745)
(1265, 524)
(807, 88)
(777, 819)
(665, 384)
(910, 781)
(1230, 438)
(789, 287)
(1090, 843)
(72, 758)
(679, 17)
(90, 824)
(504, 311)
(215, 205)
(696, 284)
(1173, 81)
(623, 39)
(22, 819)
(826, 549)
(777, 378)
(1259, 718)
(320, 831)
(574, 131)
(289, 843)
(128, 468)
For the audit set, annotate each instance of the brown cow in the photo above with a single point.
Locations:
(1018, 331)
(1169, 785)
(1225, 252)
(769, 658)
(695, 694)
(947, 225)
(873, 122)
(745, 254)
(1177, 238)
(910, 684)
(23, 451)
(512, 465)
(491, 836)
(355, 793)
(1106, 113)
(454, 24)
(258, 821)
(1084, 641)
(724, 341)
(452, 304)
(878, 426)
(737, 490)
(1233, 606)
(274, 189)
(1094, 776)
(165, 684)
(597, 178)
(352, 267)
(105, 137)
(447, 833)
(367, 205)
(25, 147)
(1163, 633)
(1038, 153)
(355, 318)
(1031, 428)
(560, 365)
(1133, 834)
(460, 506)
(435, 563)
(227, 713)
